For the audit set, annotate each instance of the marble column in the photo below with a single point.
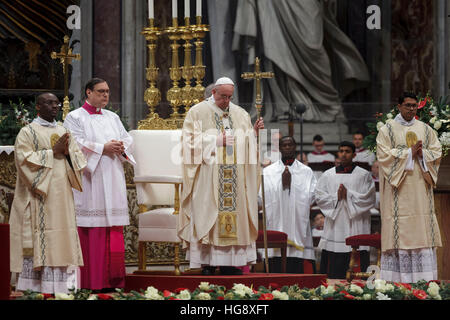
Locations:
(441, 52)
(107, 46)
(82, 43)
(133, 60)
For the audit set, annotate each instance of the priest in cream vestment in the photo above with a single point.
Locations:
(45, 248)
(409, 155)
(218, 220)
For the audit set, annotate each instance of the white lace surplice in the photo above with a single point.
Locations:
(103, 202)
(48, 280)
(409, 266)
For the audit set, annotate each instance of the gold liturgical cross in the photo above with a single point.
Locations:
(257, 76)
(66, 56)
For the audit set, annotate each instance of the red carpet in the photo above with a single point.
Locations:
(138, 281)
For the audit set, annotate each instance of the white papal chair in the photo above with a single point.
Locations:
(158, 178)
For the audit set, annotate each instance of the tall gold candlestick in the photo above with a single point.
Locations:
(199, 31)
(152, 95)
(174, 94)
(187, 69)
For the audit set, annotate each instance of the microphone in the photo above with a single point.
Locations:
(300, 108)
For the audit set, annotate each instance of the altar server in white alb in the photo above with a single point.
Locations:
(102, 207)
(289, 193)
(345, 194)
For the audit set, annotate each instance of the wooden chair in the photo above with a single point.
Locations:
(275, 239)
(371, 240)
(158, 177)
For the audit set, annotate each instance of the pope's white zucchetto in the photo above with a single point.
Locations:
(224, 80)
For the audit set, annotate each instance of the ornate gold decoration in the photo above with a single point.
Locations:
(152, 95)
(174, 95)
(199, 32)
(257, 75)
(177, 96)
(53, 139)
(65, 56)
(156, 123)
(411, 139)
(187, 69)
(8, 172)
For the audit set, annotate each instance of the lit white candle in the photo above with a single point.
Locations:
(151, 10)
(199, 8)
(174, 9)
(187, 9)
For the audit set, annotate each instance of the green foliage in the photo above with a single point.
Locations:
(435, 113)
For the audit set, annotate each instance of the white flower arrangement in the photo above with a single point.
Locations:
(152, 294)
(184, 295)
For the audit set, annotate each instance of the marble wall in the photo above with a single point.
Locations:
(412, 46)
(107, 45)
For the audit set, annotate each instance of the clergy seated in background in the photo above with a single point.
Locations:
(319, 154)
(362, 154)
(102, 207)
(345, 195)
(45, 248)
(289, 193)
(218, 221)
(409, 155)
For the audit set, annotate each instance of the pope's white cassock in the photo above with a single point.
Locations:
(218, 219)
(45, 246)
(288, 210)
(103, 202)
(347, 217)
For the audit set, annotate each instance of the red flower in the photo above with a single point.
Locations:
(274, 285)
(167, 293)
(422, 103)
(404, 285)
(102, 296)
(420, 294)
(220, 298)
(47, 296)
(417, 117)
(266, 296)
(347, 295)
(325, 283)
(178, 290)
(173, 298)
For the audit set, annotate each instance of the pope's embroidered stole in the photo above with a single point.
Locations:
(227, 170)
